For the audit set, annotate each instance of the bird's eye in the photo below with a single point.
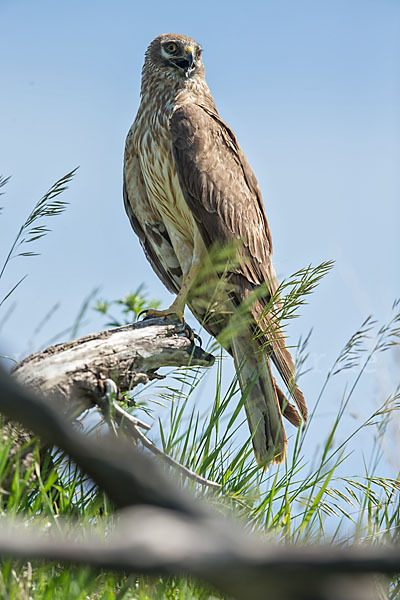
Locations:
(171, 47)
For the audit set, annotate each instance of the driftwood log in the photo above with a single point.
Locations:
(96, 369)
(73, 375)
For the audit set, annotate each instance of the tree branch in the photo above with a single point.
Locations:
(72, 374)
(127, 422)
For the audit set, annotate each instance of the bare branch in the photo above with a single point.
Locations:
(128, 423)
(72, 374)
(154, 540)
(116, 466)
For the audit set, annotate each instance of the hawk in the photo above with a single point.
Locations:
(188, 187)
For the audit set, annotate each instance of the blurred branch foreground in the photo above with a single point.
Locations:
(162, 529)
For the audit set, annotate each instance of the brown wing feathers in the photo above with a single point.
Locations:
(223, 195)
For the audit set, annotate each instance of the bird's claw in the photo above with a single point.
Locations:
(188, 331)
(192, 335)
(198, 338)
(152, 313)
(143, 312)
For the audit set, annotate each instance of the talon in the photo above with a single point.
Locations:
(189, 332)
(143, 312)
(192, 335)
(147, 314)
(198, 338)
(152, 313)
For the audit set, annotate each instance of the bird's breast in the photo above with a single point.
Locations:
(158, 168)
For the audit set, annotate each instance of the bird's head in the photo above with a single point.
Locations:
(176, 55)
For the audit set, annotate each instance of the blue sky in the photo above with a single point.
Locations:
(312, 90)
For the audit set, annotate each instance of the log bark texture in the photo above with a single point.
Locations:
(72, 374)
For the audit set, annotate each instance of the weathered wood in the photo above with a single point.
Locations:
(72, 374)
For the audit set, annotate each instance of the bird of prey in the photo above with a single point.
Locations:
(188, 187)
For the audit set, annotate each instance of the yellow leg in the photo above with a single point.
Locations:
(178, 306)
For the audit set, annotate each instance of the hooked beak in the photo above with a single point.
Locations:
(185, 63)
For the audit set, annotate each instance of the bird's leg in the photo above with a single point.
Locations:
(191, 260)
(178, 306)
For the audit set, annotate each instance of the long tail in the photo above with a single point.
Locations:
(273, 342)
(265, 403)
(262, 401)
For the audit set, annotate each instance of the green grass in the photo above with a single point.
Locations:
(300, 502)
(308, 499)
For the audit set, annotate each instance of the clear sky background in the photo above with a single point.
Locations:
(312, 90)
